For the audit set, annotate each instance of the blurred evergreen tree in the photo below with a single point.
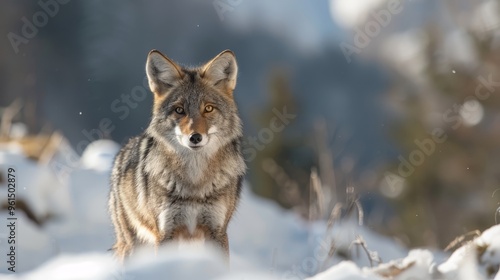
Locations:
(278, 156)
(449, 193)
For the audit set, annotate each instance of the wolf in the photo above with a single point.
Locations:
(180, 180)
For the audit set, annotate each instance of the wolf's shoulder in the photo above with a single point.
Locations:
(134, 151)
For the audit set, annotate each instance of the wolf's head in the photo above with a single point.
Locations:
(194, 108)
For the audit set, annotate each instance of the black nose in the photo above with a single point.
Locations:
(195, 138)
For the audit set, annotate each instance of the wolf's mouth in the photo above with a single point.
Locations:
(195, 147)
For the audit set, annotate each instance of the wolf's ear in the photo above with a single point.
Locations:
(162, 72)
(221, 71)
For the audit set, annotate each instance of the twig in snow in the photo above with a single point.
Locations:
(315, 191)
(460, 240)
(372, 256)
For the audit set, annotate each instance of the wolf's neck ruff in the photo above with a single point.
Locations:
(197, 167)
(181, 179)
(196, 174)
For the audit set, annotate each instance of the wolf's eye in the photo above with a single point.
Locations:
(209, 108)
(179, 110)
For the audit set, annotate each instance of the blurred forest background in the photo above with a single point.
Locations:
(396, 102)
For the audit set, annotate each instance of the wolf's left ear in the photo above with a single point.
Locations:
(222, 71)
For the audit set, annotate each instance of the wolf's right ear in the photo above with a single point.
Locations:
(162, 72)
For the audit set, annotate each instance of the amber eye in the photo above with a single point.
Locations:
(209, 108)
(179, 110)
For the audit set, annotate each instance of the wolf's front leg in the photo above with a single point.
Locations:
(219, 238)
(224, 244)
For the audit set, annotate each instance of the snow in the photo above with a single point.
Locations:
(31, 241)
(37, 185)
(345, 270)
(489, 240)
(69, 267)
(99, 155)
(418, 264)
(266, 242)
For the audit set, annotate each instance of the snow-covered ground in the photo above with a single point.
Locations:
(266, 241)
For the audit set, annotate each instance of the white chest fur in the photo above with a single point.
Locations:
(193, 214)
